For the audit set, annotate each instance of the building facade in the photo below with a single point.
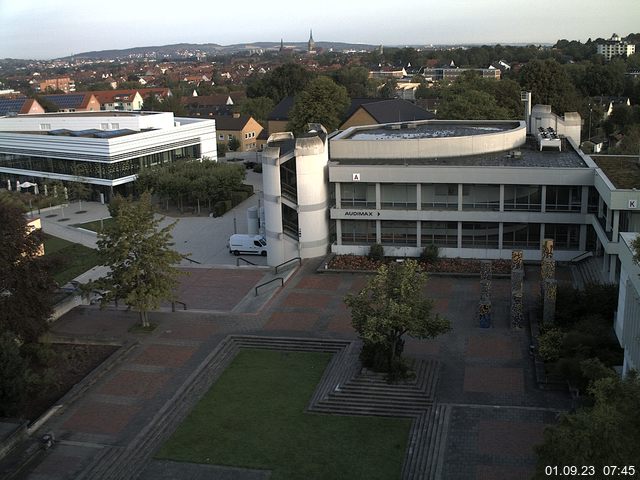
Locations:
(615, 47)
(103, 149)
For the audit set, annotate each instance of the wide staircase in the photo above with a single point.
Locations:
(343, 390)
(587, 271)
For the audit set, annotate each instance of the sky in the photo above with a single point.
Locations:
(44, 29)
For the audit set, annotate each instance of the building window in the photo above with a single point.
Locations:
(104, 126)
(480, 235)
(358, 232)
(481, 197)
(230, 137)
(563, 199)
(439, 196)
(522, 198)
(45, 126)
(398, 196)
(115, 126)
(441, 234)
(521, 235)
(358, 195)
(565, 237)
(399, 233)
(221, 136)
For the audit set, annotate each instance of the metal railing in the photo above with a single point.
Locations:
(270, 281)
(191, 260)
(580, 257)
(244, 260)
(288, 261)
(173, 305)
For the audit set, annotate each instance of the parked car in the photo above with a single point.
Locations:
(243, 243)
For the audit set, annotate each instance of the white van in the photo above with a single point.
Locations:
(242, 243)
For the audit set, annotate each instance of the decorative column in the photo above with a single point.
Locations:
(484, 307)
(517, 288)
(548, 285)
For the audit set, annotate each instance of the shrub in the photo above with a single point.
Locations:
(219, 208)
(238, 197)
(376, 252)
(257, 168)
(430, 253)
(245, 188)
(550, 344)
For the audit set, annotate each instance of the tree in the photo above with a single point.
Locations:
(606, 434)
(355, 80)
(138, 253)
(391, 305)
(233, 144)
(25, 282)
(259, 108)
(286, 80)
(388, 90)
(549, 84)
(13, 374)
(470, 105)
(323, 101)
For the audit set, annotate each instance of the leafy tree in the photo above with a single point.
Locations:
(388, 90)
(13, 374)
(606, 434)
(25, 282)
(259, 108)
(233, 144)
(549, 84)
(142, 264)
(323, 101)
(356, 80)
(286, 80)
(79, 191)
(221, 149)
(391, 305)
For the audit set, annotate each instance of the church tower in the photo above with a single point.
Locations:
(281, 45)
(311, 45)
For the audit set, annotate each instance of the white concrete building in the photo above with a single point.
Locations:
(615, 47)
(104, 149)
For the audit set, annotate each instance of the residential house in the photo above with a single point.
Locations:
(64, 84)
(278, 119)
(119, 100)
(242, 127)
(373, 111)
(21, 105)
(74, 102)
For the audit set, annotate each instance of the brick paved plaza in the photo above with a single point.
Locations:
(486, 376)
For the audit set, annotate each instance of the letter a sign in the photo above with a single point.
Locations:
(356, 177)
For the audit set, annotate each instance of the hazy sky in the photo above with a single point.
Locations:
(49, 29)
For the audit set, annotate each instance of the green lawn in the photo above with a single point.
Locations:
(68, 259)
(254, 417)
(96, 225)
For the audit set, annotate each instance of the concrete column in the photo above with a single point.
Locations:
(613, 264)
(608, 222)
(460, 234)
(378, 232)
(459, 197)
(616, 225)
(272, 205)
(543, 200)
(378, 198)
(500, 235)
(582, 245)
(418, 236)
(600, 206)
(541, 234)
(418, 197)
(339, 232)
(584, 205)
(338, 195)
(502, 199)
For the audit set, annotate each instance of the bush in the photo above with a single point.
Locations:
(238, 197)
(376, 252)
(430, 253)
(257, 168)
(550, 344)
(245, 188)
(219, 208)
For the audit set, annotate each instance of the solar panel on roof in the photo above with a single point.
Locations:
(64, 101)
(11, 105)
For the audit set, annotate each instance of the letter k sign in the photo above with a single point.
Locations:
(633, 204)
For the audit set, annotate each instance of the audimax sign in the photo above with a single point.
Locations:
(361, 213)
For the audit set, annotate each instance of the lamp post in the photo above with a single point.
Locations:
(590, 110)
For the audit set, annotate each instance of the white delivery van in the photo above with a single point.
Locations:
(242, 243)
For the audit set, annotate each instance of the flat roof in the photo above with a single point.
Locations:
(101, 113)
(622, 170)
(529, 156)
(433, 129)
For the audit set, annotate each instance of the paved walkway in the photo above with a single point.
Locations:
(497, 416)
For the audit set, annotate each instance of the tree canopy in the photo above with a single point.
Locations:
(322, 101)
(549, 84)
(284, 81)
(25, 283)
(391, 305)
(140, 257)
(606, 434)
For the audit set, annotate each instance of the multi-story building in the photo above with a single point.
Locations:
(65, 84)
(475, 189)
(614, 47)
(103, 149)
(439, 74)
